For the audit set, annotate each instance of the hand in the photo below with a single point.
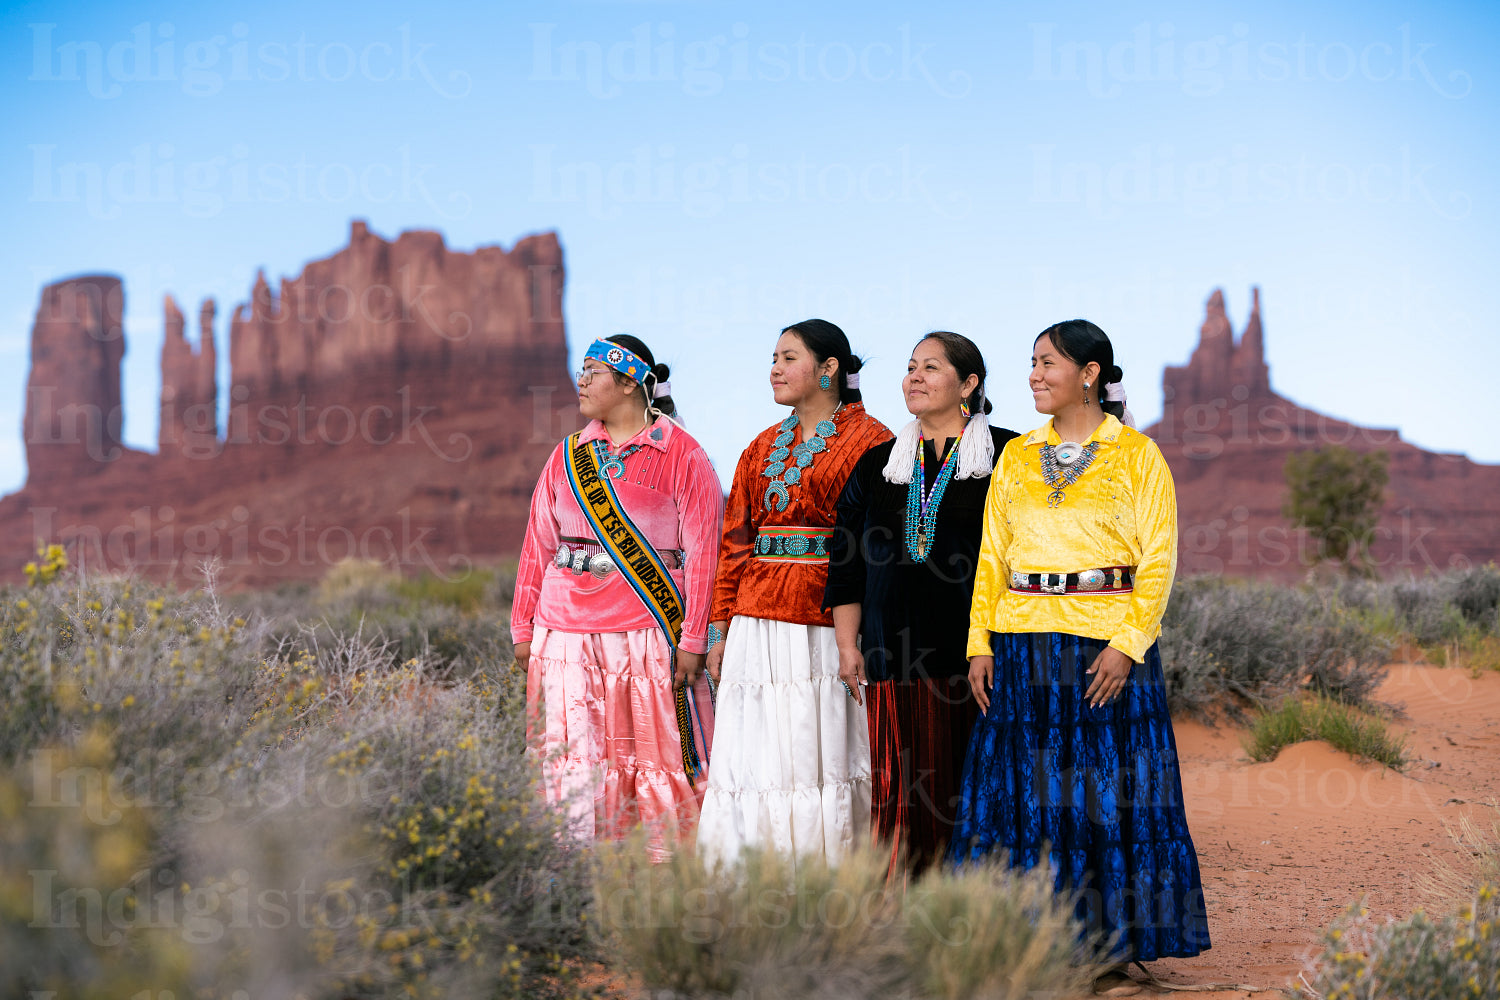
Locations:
(523, 655)
(852, 671)
(688, 666)
(1111, 669)
(715, 660)
(981, 677)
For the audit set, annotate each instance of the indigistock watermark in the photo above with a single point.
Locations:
(703, 187)
(1152, 53)
(153, 54)
(162, 779)
(146, 536)
(1153, 175)
(652, 54)
(205, 186)
(300, 420)
(719, 305)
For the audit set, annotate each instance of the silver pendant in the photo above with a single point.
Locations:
(1055, 498)
(1067, 453)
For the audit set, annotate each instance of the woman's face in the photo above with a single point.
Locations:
(599, 392)
(795, 371)
(932, 387)
(1056, 382)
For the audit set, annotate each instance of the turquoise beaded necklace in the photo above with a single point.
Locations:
(784, 466)
(922, 504)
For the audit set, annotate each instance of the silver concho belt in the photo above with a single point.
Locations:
(1109, 580)
(600, 564)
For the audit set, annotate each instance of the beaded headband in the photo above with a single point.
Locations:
(621, 360)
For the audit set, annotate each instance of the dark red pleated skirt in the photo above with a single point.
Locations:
(919, 733)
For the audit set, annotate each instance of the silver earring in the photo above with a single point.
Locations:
(1085, 394)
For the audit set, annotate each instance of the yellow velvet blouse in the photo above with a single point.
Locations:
(1122, 511)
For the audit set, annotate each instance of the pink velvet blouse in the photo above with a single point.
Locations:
(670, 491)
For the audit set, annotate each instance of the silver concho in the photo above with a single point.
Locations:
(563, 558)
(601, 566)
(1019, 581)
(1067, 453)
(1091, 579)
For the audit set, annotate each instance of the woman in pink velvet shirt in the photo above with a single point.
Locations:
(599, 677)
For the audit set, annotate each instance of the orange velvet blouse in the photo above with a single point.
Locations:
(785, 590)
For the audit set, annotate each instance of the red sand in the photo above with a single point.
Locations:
(1285, 846)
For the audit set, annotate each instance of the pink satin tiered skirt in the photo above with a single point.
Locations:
(603, 716)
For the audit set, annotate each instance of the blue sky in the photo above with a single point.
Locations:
(719, 170)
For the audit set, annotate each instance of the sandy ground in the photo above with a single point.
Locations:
(1285, 846)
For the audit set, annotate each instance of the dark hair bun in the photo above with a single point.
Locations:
(662, 372)
(1115, 374)
(988, 406)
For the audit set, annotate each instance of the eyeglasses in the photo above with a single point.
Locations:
(586, 375)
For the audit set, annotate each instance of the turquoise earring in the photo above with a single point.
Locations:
(824, 382)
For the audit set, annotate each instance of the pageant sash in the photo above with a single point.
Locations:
(642, 567)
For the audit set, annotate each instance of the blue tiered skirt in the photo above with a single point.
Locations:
(1098, 788)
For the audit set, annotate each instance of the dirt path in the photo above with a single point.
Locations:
(1285, 846)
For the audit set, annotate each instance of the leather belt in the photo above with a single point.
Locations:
(793, 543)
(1109, 580)
(600, 564)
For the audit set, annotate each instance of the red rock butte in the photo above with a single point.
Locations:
(394, 402)
(1227, 434)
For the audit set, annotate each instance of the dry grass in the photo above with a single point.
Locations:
(768, 928)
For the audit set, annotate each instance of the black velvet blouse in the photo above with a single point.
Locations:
(915, 616)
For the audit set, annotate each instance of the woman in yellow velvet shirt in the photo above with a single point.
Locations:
(1074, 754)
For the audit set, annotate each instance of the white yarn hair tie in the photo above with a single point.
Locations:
(976, 452)
(852, 380)
(1114, 392)
(662, 390)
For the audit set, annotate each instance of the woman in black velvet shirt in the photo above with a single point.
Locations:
(900, 580)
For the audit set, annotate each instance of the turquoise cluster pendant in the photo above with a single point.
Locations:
(612, 466)
(785, 464)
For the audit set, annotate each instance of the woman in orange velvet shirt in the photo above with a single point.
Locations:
(791, 756)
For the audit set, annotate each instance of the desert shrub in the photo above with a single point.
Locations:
(488, 897)
(169, 678)
(1426, 610)
(1416, 958)
(465, 591)
(71, 863)
(769, 927)
(263, 761)
(1476, 593)
(1225, 644)
(447, 622)
(1341, 726)
(1478, 843)
(993, 932)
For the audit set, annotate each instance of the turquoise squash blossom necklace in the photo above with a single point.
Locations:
(922, 504)
(613, 466)
(785, 464)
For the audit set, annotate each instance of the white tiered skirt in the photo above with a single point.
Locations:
(791, 756)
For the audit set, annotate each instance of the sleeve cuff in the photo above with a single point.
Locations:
(520, 633)
(1133, 643)
(693, 643)
(979, 642)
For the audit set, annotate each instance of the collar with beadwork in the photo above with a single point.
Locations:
(1106, 431)
(656, 434)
